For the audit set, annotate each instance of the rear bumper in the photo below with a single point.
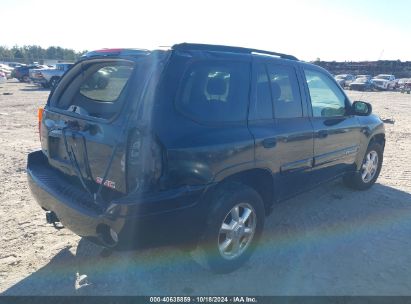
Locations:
(164, 217)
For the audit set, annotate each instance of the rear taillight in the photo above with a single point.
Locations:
(40, 117)
(144, 162)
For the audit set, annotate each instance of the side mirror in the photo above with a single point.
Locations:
(361, 108)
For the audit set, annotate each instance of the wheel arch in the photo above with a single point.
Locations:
(259, 179)
(378, 138)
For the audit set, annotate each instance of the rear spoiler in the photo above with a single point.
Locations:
(116, 52)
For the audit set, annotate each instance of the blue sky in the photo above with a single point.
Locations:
(330, 30)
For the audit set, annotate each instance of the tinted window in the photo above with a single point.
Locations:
(215, 91)
(106, 84)
(285, 91)
(263, 105)
(327, 99)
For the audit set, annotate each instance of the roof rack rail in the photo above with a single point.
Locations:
(222, 48)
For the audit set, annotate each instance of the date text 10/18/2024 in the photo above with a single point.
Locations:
(203, 300)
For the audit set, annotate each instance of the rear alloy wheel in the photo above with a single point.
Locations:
(369, 171)
(26, 79)
(234, 226)
(237, 231)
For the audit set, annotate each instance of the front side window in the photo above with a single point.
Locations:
(327, 99)
(285, 91)
(214, 91)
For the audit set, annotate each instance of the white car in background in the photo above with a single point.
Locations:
(6, 70)
(384, 82)
(344, 80)
(3, 77)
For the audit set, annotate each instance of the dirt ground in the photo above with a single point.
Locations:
(330, 241)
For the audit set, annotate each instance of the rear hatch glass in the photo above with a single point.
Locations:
(97, 89)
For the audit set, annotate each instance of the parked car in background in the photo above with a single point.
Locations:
(150, 158)
(362, 84)
(3, 77)
(401, 81)
(7, 73)
(14, 64)
(22, 72)
(344, 79)
(49, 77)
(384, 82)
(405, 86)
(6, 70)
(369, 77)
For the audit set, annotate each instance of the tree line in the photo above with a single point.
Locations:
(35, 53)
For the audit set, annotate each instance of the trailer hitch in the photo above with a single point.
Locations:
(51, 218)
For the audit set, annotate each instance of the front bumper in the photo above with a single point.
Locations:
(165, 217)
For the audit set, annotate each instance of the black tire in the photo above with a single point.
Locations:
(26, 79)
(355, 180)
(225, 198)
(102, 82)
(53, 82)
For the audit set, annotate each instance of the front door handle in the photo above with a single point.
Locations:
(322, 134)
(269, 143)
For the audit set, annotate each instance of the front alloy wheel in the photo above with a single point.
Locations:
(368, 173)
(369, 167)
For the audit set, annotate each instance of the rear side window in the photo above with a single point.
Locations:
(215, 91)
(263, 105)
(285, 91)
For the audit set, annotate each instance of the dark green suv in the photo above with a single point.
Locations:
(194, 145)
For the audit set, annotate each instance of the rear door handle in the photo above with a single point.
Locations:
(322, 134)
(269, 143)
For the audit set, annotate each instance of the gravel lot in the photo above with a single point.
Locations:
(330, 241)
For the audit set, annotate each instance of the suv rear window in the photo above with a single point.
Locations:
(214, 91)
(285, 91)
(106, 84)
(96, 89)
